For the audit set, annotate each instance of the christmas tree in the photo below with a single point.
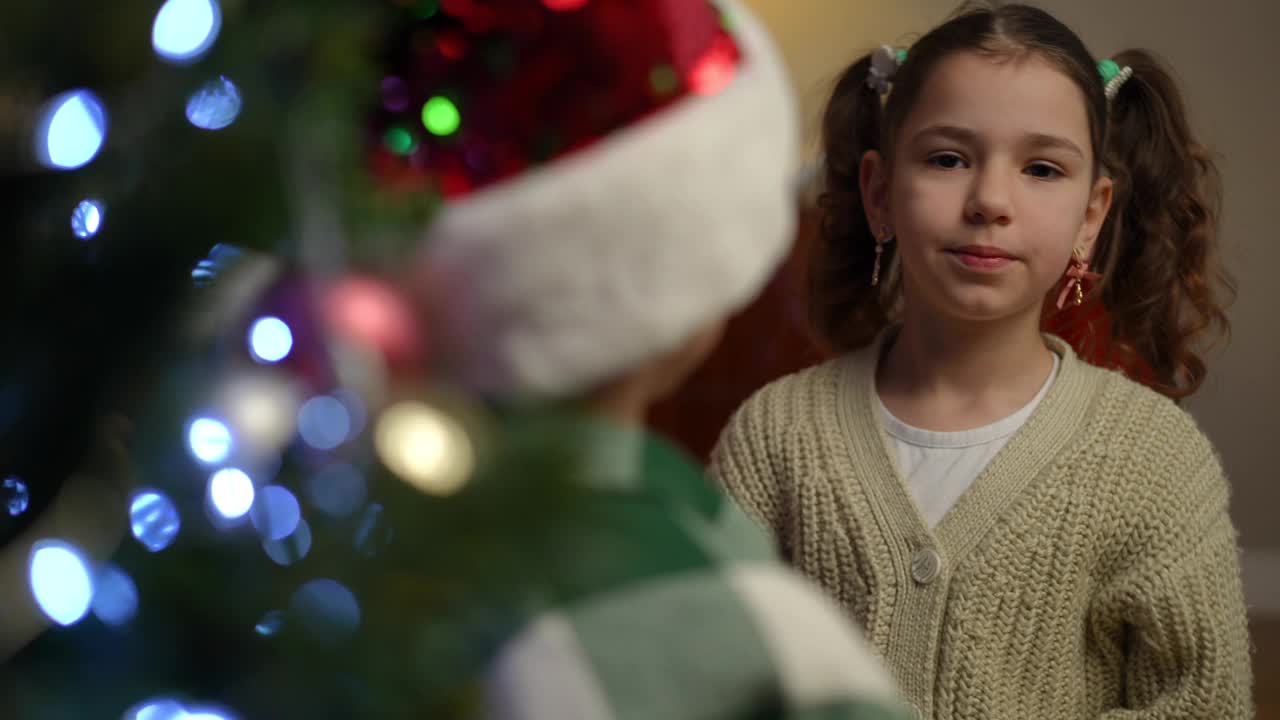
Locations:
(220, 213)
(195, 243)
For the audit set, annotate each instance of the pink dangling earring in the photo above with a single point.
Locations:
(886, 235)
(1077, 273)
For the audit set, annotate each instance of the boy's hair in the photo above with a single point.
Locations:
(1156, 250)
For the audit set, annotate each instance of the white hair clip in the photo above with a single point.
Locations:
(885, 62)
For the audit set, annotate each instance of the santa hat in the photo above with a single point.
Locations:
(616, 175)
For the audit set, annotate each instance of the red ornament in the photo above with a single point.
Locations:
(372, 314)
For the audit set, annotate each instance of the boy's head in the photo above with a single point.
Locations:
(616, 179)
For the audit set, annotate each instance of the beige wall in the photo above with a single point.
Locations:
(1225, 53)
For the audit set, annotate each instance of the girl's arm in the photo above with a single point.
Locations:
(741, 462)
(1174, 622)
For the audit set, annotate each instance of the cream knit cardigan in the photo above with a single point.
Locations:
(1090, 571)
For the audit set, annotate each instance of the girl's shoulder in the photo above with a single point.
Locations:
(801, 394)
(785, 413)
(1126, 412)
(1111, 410)
(1158, 448)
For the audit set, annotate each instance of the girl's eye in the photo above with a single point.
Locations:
(946, 161)
(1043, 171)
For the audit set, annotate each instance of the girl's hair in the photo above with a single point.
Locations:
(1155, 250)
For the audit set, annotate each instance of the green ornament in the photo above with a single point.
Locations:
(440, 116)
(1108, 69)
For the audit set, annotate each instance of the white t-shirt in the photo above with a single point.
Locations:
(939, 466)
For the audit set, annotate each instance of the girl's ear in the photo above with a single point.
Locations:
(1095, 214)
(873, 183)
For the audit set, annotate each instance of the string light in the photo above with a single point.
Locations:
(425, 447)
(86, 219)
(270, 339)
(209, 440)
(231, 492)
(185, 29)
(215, 105)
(115, 597)
(154, 520)
(15, 496)
(72, 130)
(60, 581)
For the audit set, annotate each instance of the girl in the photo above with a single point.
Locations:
(1021, 534)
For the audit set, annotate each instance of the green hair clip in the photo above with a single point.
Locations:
(1113, 76)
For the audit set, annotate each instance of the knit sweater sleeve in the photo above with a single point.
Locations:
(742, 462)
(1173, 620)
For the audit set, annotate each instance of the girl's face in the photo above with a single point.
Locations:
(990, 189)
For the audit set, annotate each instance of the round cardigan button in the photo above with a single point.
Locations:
(926, 565)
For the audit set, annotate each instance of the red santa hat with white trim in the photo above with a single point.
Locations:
(616, 175)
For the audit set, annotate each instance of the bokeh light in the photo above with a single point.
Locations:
(399, 141)
(426, 448)
(15, 496)
(72, 129)
(289, 550)
(154, 520)
(326, 610)
(231, 492)
(209, 440)
(453, 44)
(374, 532)
(395, 94)
(270, 339)
(337, 490)
(275, 512)
(186, 29)
(215, 105)
(172, 709)
(86, 219)
(60, 581)
(220, 257)
(261, 406)
(323, 422)
(115, 596)
(270, 624)
(156, 709)
(440, 116)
